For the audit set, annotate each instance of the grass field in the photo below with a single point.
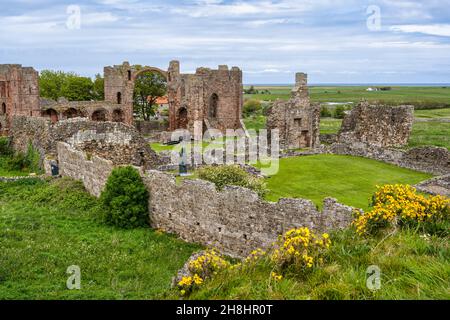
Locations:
(351, 180)
(436, 96)
(47, 227)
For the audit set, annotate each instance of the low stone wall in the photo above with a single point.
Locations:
(430, 159)
(234, 220)
(149, 127)
(328, 138)
(436, 186)
(115, 141)
(93, 172)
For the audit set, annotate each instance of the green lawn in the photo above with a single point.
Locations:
(433, 114)
(351, 180)
(46, 227)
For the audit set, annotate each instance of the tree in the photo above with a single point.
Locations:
(148, 87)
(56, 84)
(51, 82)
(77, 88)
(339, 112)
(99, 87)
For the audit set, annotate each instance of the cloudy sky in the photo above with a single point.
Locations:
(334, 41)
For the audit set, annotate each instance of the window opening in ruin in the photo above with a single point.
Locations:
(213, 104)
(119, 98)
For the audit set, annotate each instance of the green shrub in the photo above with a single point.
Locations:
(325, 112)
(232, 175)
(339, 112)
(125, 199)
(28, 161)
(252, 107)
(5, 149)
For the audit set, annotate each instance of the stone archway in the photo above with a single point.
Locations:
(99, 115)
(118, 116)
(71, 113)
(51, 114)
(153, 84)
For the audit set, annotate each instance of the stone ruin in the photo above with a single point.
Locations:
(208, 99)
(297, 119)
(377, 125)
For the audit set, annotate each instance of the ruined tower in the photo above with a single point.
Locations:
(296, 119)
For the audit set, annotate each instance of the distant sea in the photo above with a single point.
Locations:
(352, 84)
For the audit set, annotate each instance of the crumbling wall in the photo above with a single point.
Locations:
(297, 120)
(378, 125)
(93, 172)
(115, 141)
(434, 160)
(234, 220)
(19, 91)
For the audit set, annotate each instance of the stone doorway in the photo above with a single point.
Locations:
(304, 140)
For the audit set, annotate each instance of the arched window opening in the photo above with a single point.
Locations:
(99, 115)
(51, 114)
(119, 98)
(213, 105)
(129, 75)
(3, 110)
(118, 116)
(71, 113)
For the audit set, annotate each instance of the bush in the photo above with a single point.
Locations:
(232, 175)
(325, 112)
(5, 149)
(252, 107)
(339, 112)
(125, 199)
(28, 161)
(401, 206)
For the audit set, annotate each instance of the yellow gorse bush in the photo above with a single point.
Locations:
(202, 268)
(300, 248)
(394, 204)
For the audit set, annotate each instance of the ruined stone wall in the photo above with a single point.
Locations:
(297, 119)
(92, 110)
(118, 142)
(234, 220)
(434, 160)
(19, 91)
(149, 127)
(93, 172)
(378, 125)
(190, 96)
(3, 125)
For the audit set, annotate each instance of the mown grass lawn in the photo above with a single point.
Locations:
(45, 227)
(351, 180)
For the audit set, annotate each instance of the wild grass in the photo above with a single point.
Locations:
(45, 227)
(412, 267)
